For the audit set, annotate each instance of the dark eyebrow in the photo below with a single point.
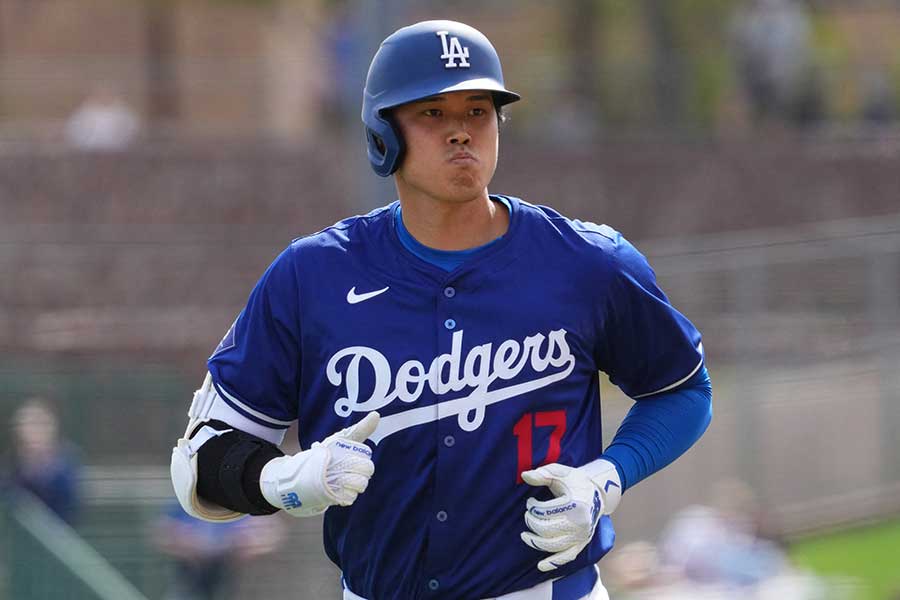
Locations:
(444, 98)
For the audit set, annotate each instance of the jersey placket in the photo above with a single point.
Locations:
(447, 323)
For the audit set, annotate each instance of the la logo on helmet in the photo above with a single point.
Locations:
(453, 51)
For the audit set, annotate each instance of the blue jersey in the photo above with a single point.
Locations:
(479, 373)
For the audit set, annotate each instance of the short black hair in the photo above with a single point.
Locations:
(502, 115)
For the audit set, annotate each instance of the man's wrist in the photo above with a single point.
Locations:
(604, 474)
(296, 483)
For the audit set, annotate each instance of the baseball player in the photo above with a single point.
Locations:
(441, 355)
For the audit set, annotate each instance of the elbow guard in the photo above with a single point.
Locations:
(215, 468)
(228, 470)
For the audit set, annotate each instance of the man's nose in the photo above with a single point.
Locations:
(459, 136)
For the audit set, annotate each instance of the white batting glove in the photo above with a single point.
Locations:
(333, 472)
(566, 524)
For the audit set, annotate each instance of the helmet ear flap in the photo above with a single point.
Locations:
(379, 143)
(385, 145)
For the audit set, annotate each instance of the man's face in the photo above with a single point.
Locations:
(451, 145)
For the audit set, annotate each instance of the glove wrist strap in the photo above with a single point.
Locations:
(297, 483)
(605, 476)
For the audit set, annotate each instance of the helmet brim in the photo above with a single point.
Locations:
(501, 95)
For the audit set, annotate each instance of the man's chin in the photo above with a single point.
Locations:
(465, 186)
(463, 195)
(456, 188)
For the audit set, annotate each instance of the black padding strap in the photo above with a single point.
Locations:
(228, 470)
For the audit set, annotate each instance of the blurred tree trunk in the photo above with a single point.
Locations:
(668, 67)
(296, 70)
(2, 60)
(581, 27)
(160, 36)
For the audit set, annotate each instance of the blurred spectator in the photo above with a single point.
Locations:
(572, 120)
(103, 122)
(721, 543)
(634, 567)
(879, 98)
(42, 462)
(774, 55)
(205, 555)
(714, 552)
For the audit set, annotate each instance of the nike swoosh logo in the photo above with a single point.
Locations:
(354, 298)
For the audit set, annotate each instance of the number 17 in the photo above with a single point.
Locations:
(523, 431)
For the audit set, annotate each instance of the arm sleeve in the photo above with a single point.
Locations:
(655, 355)
(660, 428)
(256, 367)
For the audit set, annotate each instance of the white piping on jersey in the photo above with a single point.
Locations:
(479, 369)
(255, 413)
(680, 381)
(222, 411)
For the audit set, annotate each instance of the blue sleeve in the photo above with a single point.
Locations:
(645, 345)
(660, 428)
(256, 367)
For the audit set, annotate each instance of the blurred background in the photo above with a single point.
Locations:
(156, 155)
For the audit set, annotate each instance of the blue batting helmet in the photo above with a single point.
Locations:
(422, 60)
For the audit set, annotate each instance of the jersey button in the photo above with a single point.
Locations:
(449, 440)
(441, 516)
(433, 584)
(449, 292)
(450, 324)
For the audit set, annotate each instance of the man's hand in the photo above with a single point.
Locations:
(333, 472)
(566, 524)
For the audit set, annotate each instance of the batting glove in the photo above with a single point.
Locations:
(566, 524)
(332, 472)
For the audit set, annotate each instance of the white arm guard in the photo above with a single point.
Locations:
(333, 472)
(184, 460)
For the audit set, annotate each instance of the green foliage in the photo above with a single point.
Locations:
(868, 553)
(702, 29)
(699, 33)
(624, 63)
(711, 79)
(832, 58)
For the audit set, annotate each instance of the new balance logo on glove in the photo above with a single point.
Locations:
(290, 500)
